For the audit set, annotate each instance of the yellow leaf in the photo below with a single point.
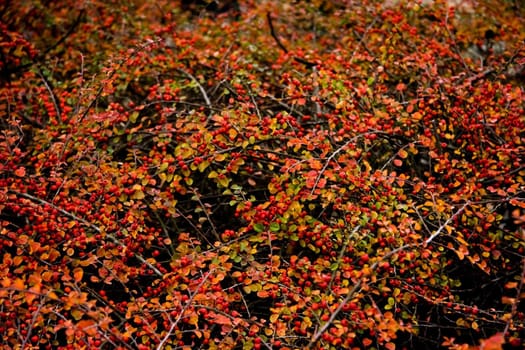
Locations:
(194, 319)
(162, 177)
(223, 181)
(52, 296)
(203, 165)
(511, 285)
(220, 157)
(77, 314)
(47, 275)
(138, 194)
(30, 297)
(417, 116)
(508, 300)
(17, 260)
(19, 51)
(232, 133)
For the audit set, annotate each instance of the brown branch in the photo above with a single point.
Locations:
(281, 45)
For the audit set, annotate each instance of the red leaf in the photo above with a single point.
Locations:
(493, 343)
(20, 172)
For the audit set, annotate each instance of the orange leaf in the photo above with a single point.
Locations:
(263, 294)
(19, 284)
(220, 319)
(88, 326)
(367, 342)
(78, 273)
(20, 172)
(493, 343)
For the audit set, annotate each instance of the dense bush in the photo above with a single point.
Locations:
(262, 174)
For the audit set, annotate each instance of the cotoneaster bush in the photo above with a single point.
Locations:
(262, 175)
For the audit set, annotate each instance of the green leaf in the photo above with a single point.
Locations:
(258, 227)
(274, 227)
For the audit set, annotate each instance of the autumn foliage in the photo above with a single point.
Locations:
(262, 174)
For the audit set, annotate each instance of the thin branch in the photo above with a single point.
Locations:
(201, 89)
(373, 267)
(274, 35)
(31, 326)
(351, 293)
(342, 253)
(205, 210)
(68, 33)
(88, 224)
(51, 93)
(440, 229)
(181, 313)
(336, 152)
(280, 44)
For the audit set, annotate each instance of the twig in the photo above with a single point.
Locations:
(351, 293)
(67, 34)
(333, 155)
(440, 229)
(342, 253)
(280, 44)
(455, 45)
(88, 224)
(272, 32)
(30, 328)
(205, 210)
(373, 267)
(181, 313)
(51, 93)
(201, 89)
